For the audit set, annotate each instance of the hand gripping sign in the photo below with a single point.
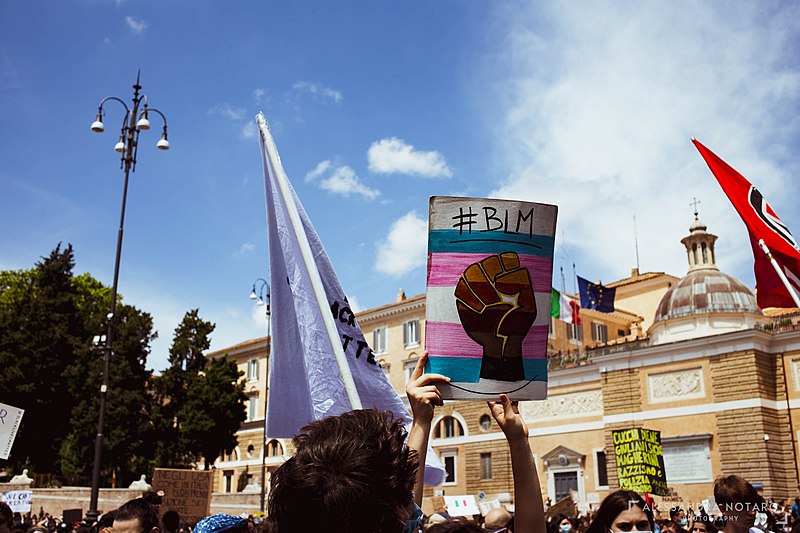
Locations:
(490, 265)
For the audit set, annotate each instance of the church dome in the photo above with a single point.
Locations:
(705, 301)
(705, 291)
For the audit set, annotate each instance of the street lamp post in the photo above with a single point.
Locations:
(133, 123)
(263, 285)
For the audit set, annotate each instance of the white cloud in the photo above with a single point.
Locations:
(344, 182)
(597, 106)
(354, 304)
(246, 248)
(249, 130)
(393, 155)
(138, 26)
(228, 111)
(318, 90)
(258, 95)
(405, 246)
(318, 171)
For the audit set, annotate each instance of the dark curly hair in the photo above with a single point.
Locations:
(350, 473)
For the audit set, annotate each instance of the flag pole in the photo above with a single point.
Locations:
(779, 271)
(308, 260)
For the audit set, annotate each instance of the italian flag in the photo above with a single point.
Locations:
(564, 308)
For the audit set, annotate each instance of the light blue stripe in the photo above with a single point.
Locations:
(489, 242)
(468, 369)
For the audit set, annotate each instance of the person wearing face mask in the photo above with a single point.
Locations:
(743, 508)
(678, 518)
(623, 511)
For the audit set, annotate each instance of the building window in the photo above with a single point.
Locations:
(551, 331)
(486, 465)
(252, 370)
(602, 468)
(599, 332)
(411, 334)
(228, 480)
(252, 407)
(379, 340)
(449, 460)
(250, 451)
(408, 368)
(385, 366)
(485, 422)
(274, 448)
(447, 428)
(575, 332)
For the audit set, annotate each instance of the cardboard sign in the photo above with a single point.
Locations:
(640, 461)
(461, 505)
(10, 418)
(18, 500)
(565, 506)
(490, 269)
(187, 492)
(72, 516)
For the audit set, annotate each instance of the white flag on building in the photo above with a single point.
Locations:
(313, 325)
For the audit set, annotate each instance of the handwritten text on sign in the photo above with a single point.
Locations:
(10, 418)
(188, 492)
(640, 461)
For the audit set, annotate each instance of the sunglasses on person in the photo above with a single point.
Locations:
(626, 527)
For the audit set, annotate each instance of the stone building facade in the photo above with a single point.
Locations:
(693, 358)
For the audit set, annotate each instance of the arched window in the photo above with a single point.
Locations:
(705, 253)
(694, 252)
(274, 448)
(447, 428)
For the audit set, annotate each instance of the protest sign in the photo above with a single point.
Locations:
(187, 492)
(640, 461)
(488, 505)
(18, 500)
(461, 505)
(565, 506)
(490, 267)
(10, 417)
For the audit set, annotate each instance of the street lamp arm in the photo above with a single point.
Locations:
(107, 98)
(153, 109)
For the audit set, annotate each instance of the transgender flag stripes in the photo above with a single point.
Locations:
(489, 278)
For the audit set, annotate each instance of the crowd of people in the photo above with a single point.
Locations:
(360, 472)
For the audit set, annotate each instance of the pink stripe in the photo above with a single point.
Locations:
(445, 338)
(445, 269)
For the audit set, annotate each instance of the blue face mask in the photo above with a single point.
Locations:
(412, 524)
(565, 528)
(683, 522)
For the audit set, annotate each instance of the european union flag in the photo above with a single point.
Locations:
(596, 296)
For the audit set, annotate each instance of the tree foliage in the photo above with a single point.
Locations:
(48, 317)
(200, 404)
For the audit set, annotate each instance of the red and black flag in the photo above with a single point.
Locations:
(762, 223)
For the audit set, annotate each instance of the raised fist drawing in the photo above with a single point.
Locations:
(497, 308)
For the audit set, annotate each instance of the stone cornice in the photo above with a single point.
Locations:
(410, 305)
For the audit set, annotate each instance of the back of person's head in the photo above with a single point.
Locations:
(674, 512)
(350, 473)
(453, 526)
(6, 515)
(171, 521)
(729, 490)
(496, 519)
(614, 504)
(137, 509)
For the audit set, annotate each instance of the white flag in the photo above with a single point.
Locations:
(309, 327)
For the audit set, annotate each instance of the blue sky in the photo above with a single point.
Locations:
(375, 106)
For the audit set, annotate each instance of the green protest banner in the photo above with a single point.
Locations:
(640, 461)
